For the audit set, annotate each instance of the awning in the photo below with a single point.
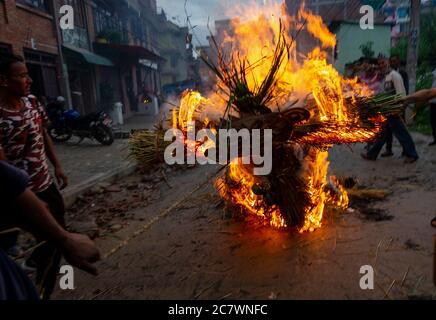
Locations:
(127, 51)
(89, 56)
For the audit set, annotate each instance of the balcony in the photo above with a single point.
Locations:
(78, 37)
(112, 36)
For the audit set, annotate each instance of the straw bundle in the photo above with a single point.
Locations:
(147, 147)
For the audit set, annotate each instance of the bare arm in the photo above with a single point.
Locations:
(422, 96)
(78, 249)
(51, 154)
(2, 155)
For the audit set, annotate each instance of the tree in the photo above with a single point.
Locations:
(427, 44)
(367, 51)
(400, 49)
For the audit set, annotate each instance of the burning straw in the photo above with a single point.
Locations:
(264, 88)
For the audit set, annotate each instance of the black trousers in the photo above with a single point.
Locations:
(390, 136)
(398, 128)
(47, 257)
(389, 139)
(433, 119)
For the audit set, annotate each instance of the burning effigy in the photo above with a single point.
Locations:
(263, 83)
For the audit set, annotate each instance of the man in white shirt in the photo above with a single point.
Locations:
(394, 85)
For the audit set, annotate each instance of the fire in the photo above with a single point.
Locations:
(240, 190)
(254, 39)
(317, 28)
(190, 104)
(313, 82)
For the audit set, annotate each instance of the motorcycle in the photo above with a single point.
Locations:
(65, 124)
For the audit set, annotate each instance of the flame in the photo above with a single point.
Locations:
(317, 180)
(190, 104)
(253, 38)
(241, 193)
(317, 28)
(338, 198)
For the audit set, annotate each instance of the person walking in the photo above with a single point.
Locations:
(395, 64)
(394, 84)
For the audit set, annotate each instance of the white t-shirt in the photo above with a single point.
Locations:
(394, 81)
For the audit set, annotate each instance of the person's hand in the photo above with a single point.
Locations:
(61, 178)
(81, 252)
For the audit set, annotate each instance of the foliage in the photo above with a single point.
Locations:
(426, 65)
(367, 51)
(427, 43)
(400, 49)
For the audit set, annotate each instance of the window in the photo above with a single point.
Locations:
(105, 20)
(39, 57)
(43, 70)
(5, 48)
(42, 5)
(79, 14)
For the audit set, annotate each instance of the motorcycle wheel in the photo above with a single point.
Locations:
(60, 134)
(104, 135)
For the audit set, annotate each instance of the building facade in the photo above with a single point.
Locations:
(118, 51)
(27, 29)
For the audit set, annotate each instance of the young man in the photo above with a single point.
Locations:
(25, 143)
(32, 213)
(395, 64)
(394, 84)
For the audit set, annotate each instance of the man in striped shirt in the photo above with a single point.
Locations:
(25, 143)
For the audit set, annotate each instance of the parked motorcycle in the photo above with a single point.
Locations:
(65, 124)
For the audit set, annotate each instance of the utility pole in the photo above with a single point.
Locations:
(64, 71)
(413, 41)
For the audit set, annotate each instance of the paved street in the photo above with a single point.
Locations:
(89, 162)
(178, 244)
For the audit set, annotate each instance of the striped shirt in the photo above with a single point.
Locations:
(22, 140)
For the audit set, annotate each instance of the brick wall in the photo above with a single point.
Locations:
(19, 24)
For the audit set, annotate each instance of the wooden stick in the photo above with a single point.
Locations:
(389, 244)
(205, 289)
(226, 296)
(376, 252)
(29, 250)
(9, 231)
(389, 290)
(405, 275)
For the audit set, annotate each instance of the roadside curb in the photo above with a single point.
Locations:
(71, 195)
